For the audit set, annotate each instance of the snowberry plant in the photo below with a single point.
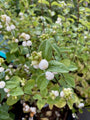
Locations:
(47, 55)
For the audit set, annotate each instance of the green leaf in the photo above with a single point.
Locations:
(10, 57)
(16, 91)
(41, 104)
(21, 59)
(2, 74)
(80, 111)
(65, 49)
(70, 103)
(26, 97)
(3, 114)
(14, 48)
(72, 68)
(2, 94)
(14, 82)
(44, 2)
(48, 19)
(24, 50)
(37, 97)
(50, 101)
(46, 49)
(70, 80)
(12, 101)
(63, 82)
(57, 49)
(42, 82)
(15, 78)
(4, 106)
(66, 62)
(56, 66)
(44, 92)
(28, 86)
(61, 103)
(56, 3)
(70, 19)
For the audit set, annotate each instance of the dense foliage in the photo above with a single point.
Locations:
(47, 54)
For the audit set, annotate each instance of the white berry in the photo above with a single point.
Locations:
(2, 84)
(43, 64)
(49, 75)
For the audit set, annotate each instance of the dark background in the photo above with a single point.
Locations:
(85, 115)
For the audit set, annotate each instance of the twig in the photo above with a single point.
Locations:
(57, 82)
(66, 114)
(78, 11)
(49, 4)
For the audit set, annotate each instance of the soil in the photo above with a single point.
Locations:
(44, 114)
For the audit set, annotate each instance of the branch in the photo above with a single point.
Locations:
(57, 81)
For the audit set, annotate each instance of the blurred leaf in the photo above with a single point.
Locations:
(41, 103)
(44, 2)
(16, 91)
(2, 75)
(12, 101)
(70, 80)
(61, 103)
(56, 48)
(42, 82)
(14, 82)
(28, 86)
(2, 94)
(37, 97)
(72, 68)
(56, 66)
(46, 49)
(56, 3)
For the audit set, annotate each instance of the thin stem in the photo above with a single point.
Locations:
(78, 12)
(66, 114)
(4, 47)
(57, 82)
(49, 4)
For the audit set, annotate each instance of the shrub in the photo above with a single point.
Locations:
(47, 54)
